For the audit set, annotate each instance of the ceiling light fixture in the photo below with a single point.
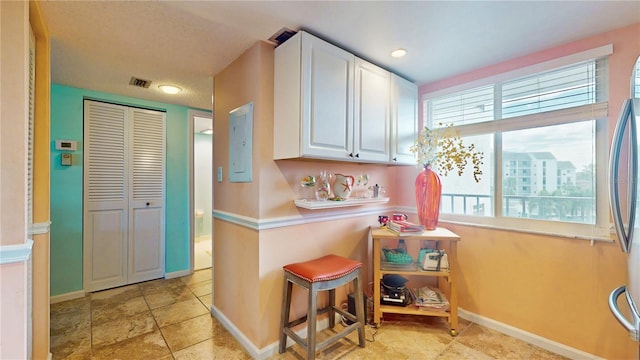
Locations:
(207, 131)
(170, 89)
(398, 53)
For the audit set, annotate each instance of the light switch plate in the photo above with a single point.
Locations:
(219, 177)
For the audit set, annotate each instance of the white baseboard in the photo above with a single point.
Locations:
(50, 356)
(176, 274)
(67, 296)
(531, 338)
(269, 350)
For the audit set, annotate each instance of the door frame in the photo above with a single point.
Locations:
(192, 114)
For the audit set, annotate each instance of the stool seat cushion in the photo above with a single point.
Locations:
(326, 268)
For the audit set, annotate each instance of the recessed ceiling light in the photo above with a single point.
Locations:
(398, 53)
(207, 131)
(170, 89)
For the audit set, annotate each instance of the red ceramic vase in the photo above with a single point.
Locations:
(428, 192)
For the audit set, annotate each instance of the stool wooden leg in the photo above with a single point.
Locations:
(311, 321)
(360, 309)
(332, 306)
(284, 314)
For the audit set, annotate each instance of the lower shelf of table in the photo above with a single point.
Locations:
(412, 310)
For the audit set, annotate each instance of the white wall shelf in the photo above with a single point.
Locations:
(329, 204)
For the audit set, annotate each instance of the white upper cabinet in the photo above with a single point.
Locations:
(328, 104)
(404, 120)
(371, 130)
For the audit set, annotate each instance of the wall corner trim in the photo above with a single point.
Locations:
(16, 253)
(40, 228)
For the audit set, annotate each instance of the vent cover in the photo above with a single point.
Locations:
(282, 35)
(139, 82)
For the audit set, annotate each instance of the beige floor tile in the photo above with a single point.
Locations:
(147, 320)
(60, 323)
(189, 332)
(462, 352)
(122, 329)
(109, 311)
(143, 347)
(115, 295)
(152, 285)
(70, 306)
(180, 311)
(213, 349)
(207, 300)
(542, 354)
(74, 343)
(493, 343)
(167, 295)
(197, 276)
(201, 288)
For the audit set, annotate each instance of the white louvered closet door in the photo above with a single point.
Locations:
(124, 170)
(105, 196)
(146, 196)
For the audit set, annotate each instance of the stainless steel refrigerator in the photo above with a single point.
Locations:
(623, 199)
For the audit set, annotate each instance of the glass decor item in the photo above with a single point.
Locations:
(428, 192)
(323, 189)
(308, 186)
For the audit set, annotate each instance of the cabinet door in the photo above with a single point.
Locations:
(404, 119)
(327, 98)
(371, 126)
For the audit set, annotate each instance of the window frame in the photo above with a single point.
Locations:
(597, 111)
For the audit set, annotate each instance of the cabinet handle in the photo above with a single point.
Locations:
(148, 204)
(350, 155)
(358, 155)
(395, 159)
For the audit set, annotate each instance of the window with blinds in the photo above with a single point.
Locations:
(562, 88)
(542, 131)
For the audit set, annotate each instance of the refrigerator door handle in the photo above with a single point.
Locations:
(613, 305)
(624, 237)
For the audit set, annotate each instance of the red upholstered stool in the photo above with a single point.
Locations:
(325, 273)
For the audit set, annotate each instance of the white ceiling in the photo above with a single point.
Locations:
(100, 45)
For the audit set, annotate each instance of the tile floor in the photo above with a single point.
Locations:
(169, 319)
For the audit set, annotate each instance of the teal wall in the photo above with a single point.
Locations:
(66, 185)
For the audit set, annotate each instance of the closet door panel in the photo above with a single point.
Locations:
(105, 196)
(108, 250)
(147, 193)
(145, 255)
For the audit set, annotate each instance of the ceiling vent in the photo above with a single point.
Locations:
(139, 82)
(282, 35)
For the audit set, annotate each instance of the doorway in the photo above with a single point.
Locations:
(201, 151)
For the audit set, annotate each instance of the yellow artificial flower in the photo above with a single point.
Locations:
(442, 148)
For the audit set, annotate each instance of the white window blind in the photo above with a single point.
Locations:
(462, 108)
(636, 82)
(562, 88)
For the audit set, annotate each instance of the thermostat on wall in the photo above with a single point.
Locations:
(66, 145)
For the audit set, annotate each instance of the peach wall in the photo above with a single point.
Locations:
(41, 184)
(248, 262)
(556, 288)
(14, 287)
(235, 248)
(278, 247)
